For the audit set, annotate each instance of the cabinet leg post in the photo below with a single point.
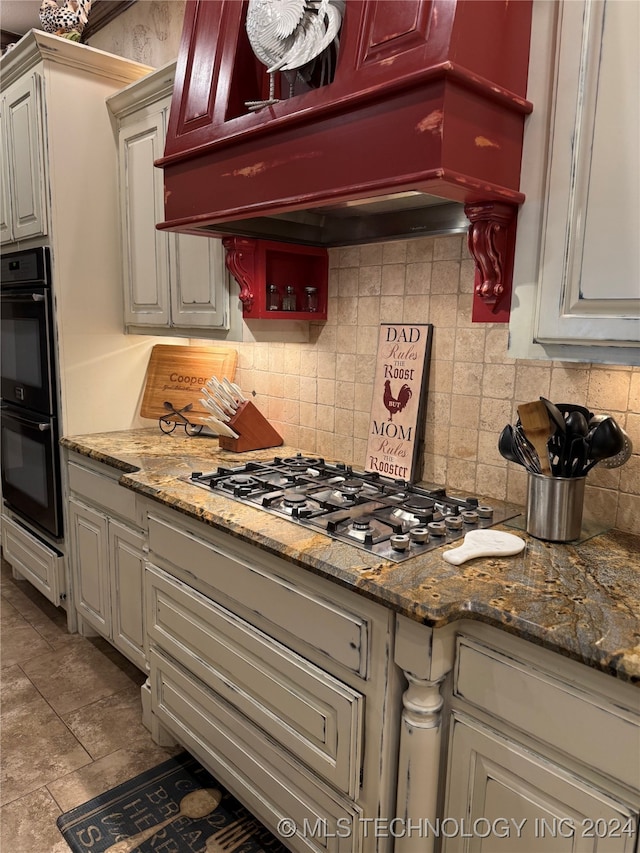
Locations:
(419, 765)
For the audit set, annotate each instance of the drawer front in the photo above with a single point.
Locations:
(253, 768)
(102, 490)
(539, 703)
(336, 632)
(309, 712)
(41, 566)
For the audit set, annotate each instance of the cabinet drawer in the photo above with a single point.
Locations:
(269, 783)
(580, 722)
(309, 712)
(339, 633)
(102, 490)
(36, 562)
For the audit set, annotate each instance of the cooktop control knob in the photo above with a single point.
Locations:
(437, 528)
(419, 534)
(453, 522)
(485, 511)
(399, 542)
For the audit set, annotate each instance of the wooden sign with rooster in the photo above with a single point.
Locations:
(395, 440)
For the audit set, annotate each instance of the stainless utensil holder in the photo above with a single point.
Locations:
(554, 507)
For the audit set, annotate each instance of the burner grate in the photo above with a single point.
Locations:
(391, 519)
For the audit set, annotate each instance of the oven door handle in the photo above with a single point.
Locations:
(25, 297)
(43, 426)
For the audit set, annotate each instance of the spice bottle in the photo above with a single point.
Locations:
(311, 299)
(273, 298)
(289, 299)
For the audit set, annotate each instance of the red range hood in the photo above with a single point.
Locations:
(420, 132)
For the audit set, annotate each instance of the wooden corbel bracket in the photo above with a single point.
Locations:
(491, 244)
(240, 260)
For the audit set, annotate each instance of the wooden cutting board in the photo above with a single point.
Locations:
(176, 374)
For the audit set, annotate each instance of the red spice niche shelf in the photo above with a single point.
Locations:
(256, 264)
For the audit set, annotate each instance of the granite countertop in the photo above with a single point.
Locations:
(581, 600)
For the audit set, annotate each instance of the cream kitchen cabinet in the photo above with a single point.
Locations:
(280, 682)
(58, 163)
(107, 557)
(176, 283)
(577, 266)
(24, 209)
(544, 754)
(39, 563)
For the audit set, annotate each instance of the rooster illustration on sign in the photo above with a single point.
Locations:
(393, 404)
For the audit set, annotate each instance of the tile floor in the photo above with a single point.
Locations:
(70, 719)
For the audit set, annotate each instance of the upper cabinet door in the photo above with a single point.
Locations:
(25, 157)
(199, 290)
(145, 250)
(589, 280)
(6, 228)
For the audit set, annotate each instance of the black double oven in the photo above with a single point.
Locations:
(30, 462)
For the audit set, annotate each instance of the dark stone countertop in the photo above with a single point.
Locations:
(581, 600)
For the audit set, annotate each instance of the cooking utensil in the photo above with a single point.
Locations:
(233, 390)
(577, 428)
(576, 423)
(619, 458)
(514, 447)
(525, 449)
(484, 543)
(536, 426)
(605, 440)
(567, 408)
(222, 428)
(220, 400)
(506, 446)
(555, 414)
(195, 805)
(209, 403)
(221, 394)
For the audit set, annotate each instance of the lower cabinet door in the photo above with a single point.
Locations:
(264, 777)
(504, 798)
(126, 565)
(90, 561)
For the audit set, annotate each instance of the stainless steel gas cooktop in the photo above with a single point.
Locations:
(389, 518)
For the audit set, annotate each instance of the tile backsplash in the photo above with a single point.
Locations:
(318, 394)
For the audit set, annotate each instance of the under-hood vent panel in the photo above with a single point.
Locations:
(354, 223)
(423, 120)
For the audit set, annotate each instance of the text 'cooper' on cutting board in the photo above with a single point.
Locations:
(177, 374)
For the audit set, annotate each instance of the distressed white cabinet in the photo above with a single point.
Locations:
(577, 267)
(544, 754)
(280, 682)
(59, 189)
(24, 210)
(41, 564)
(107, 557)
(174, 282)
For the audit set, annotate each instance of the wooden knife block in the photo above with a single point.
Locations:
(254, 431)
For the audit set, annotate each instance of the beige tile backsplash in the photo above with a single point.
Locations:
(318, 394)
